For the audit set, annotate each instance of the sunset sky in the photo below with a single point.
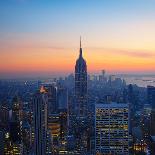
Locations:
(41, 37)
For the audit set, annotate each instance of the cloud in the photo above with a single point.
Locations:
(139, 53)
(130, 53)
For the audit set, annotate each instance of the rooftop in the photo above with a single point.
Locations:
(112, 105)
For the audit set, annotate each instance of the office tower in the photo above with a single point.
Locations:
(57, 125)
(40, 101)
(151, 96)
(69, 82)
(63, 125)
(132, 106)
(2, 142)
(62, 98)
(49, 143)
(111, 129)
(151, 101)
(70, 143)
(4, 114)
(54, 128)
(52, 98)
(27, 137)
(152, 144)
(80, 122)
(145, 120)
(81, 85)
(16, 109)
(152, 131)
(15, 127)
(15, 132)
(12, 147)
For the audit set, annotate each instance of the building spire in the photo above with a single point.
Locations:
(80, 48)
(80, 41)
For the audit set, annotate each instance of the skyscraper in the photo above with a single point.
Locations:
(52, 98)
(151, 96)
(62, 98)
(111, 129)
(16, 109)
(151, 101)
(15, 126)
(80, 123)
(40, 102)
(81, 85)
(2, 143)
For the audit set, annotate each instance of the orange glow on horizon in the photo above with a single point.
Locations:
(63, 60)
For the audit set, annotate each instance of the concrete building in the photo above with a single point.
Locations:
(40, 102)
(111, 129)
(151, 101)
(81, 85)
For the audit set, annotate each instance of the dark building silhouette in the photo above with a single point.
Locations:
(2, 143)
(62, 96)
(40, 101)
(52, 98)
(81, 85)
(80, 125)
(151, 101)
(16, 109)
(15, 132)
(131, 100)
(4, 114)
(151, 96)
(152, 144)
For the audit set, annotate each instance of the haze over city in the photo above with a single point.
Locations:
(77, 77)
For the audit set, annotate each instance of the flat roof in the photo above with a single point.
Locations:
(111, 105)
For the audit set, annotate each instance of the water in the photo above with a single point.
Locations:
(141, 81)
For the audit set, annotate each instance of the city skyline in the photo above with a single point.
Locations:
(77, 77)
(42, 38)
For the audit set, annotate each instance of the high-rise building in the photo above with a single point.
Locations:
(12, 147)
(2, 143)
(16, 109)
(57, 125)
(111, 129)
(79, 121)
(52, 98)
(49, 143)
(54, 128)
(40, 102)
(27, 137)
(15, 132)
(151, 101)
(152, 144)
(81, 85)
(151, 96)
(15, 127)
(62, 98)
(4, 113)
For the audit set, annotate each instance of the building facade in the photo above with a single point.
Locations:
(151, 101)
(51, 90)
(111, 129)
(81, 85)
(40, 102)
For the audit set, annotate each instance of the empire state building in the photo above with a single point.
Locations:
(81, 85)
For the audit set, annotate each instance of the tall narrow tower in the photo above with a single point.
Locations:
(40, 101)
(81, 85)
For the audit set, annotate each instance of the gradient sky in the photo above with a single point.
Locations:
(41, 37)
